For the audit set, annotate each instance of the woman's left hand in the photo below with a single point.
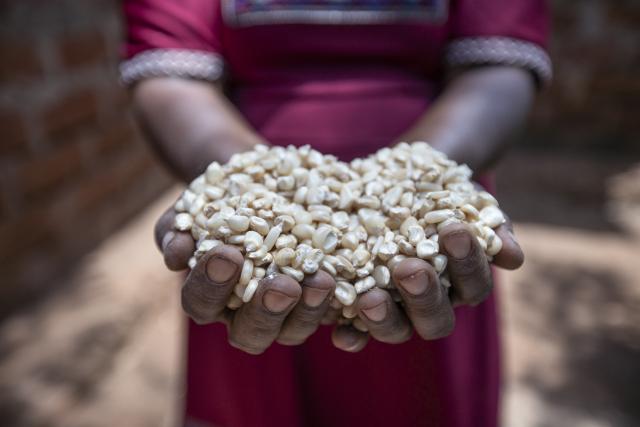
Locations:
(428, 306)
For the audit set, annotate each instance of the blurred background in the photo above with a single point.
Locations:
(90, 325)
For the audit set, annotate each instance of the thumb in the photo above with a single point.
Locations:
(176, 246)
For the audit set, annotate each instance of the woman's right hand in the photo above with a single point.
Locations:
(281, 310)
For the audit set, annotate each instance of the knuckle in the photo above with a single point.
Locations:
(297, 329)
(304, 315)
(195, 308)
(438, 327)
(474, 295)
(469, 267)
(264, 321)
(429, 304)
(246, 345)
(397, 334)
(393, 330)
(434, 297)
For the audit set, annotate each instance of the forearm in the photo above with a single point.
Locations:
(190, 124)
(476, 114)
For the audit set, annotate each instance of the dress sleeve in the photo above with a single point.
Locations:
(509, 32)
(172, 38)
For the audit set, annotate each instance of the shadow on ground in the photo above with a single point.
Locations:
(594, 321)
(106, 348)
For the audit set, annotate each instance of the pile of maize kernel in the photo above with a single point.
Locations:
(293, 210)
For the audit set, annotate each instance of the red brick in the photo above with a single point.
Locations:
(78, 50)
(13, 132)
(20, 60)
(45, 173)
(106, 185)
(120, 134)
(119, 97)
(621, 15)
(4, 209)
(23, 233)
(71, 110)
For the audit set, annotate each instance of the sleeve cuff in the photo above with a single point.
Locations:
(500, 50)
(190, 64)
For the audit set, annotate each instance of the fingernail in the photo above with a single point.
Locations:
(458, 244)
(220, 270)
(276, 302)
(376, 313)
(313, 297)
(166, 240)
(416, 283)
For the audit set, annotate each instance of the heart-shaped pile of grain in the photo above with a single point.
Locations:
(294, 211)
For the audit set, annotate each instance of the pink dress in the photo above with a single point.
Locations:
(347, 77)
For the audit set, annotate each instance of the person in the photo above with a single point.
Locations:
(213, 78)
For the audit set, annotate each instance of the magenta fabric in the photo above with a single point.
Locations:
(346, 90)
(449, 382)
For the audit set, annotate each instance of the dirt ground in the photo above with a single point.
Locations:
(107, 349)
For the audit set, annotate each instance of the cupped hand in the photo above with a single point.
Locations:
(281, 310)
(428, 306)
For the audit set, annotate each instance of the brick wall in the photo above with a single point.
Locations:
(593, 100)
(585, 129)
(73, 166)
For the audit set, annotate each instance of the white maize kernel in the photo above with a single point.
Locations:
(345, 293)
(365, 284)
(426, 249)
(259, 225)
(435, 217)
(183, 222)
(238, 223)
(284, 256)
(246, 273)
(295, 274)
(492, 216)
(272, 236)
(439, 263)
(250, 290)
(382, 275)
(252, 241)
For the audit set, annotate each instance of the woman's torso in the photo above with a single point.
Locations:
(346, 89)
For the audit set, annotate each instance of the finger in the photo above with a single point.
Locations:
(384, 319)
(469, 270)
(176, 246)
(209, 285)
(510, 256)
(307, 314)
(426, 300)
(257, 324)
(348, 338)
(163, 226)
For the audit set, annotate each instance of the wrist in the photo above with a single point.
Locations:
(218, 147)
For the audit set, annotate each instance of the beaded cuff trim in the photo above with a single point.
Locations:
(500, 50)
(191, 64)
